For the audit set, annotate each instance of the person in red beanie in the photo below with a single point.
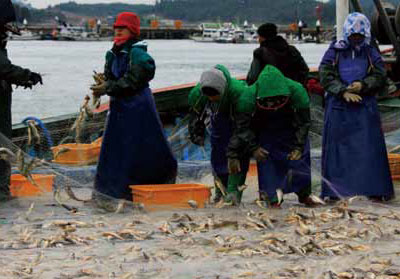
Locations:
(134, 150)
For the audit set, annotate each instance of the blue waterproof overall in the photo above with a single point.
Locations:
(221, 132)
(134, 150)
(354, 156)
(276, 134)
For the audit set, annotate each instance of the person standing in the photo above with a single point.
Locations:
(354, 156)
(134, 150)
(9, 74)
(275, 51)
(318, 31)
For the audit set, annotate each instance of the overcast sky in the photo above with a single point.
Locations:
(45, 3)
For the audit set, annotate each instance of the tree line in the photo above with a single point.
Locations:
(254, 11)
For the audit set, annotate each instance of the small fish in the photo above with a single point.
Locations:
(166, 228)
(112, 235)
(210, 222)
(297, 250)
(261, 204)
(279, 195)
(243, 187)
(317, 199)
(7, 155)
(120, 207)
(275, 249)
(220, 186)
(193, 204)
(345, 275)
(33, 131)
(219, 240)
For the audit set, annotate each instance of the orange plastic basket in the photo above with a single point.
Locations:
(167, 196)
(394, 164)
(98, 141)
(77, 154)
(21, 187)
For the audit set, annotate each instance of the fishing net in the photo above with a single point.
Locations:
(70, 165)
(58, 232)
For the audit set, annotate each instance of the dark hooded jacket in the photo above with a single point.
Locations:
(277, 52)
(9, 73)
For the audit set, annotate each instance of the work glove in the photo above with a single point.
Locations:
(355, 87)
(99, 90)
(196, 132)
(234, 166)
(295, 155)
(197, 140)
(351, 98)
(99, 77)
(260, 154)
(35, 78)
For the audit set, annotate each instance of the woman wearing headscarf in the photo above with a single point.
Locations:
(134, 150)
(354, 156)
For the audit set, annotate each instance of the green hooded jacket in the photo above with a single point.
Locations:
(271, 83)
(228, 104)
(141, 70)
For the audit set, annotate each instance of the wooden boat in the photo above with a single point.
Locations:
(172, 104)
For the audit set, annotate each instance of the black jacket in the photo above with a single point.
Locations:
(9, 74)
(277, 52)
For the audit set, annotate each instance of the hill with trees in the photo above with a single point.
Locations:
(195, 11)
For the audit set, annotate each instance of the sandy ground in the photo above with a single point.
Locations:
(353, 239)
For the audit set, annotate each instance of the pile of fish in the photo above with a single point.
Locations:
(343, 241)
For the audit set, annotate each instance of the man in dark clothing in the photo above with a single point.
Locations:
(275, 51)
(9, 74)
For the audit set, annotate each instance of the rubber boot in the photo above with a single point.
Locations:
(234, 195)
(268, 202)
(304, 197)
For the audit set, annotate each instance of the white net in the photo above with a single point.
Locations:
(58, 232)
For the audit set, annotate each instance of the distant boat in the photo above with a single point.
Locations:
(210, 32)
(26, 35)
(228, 33)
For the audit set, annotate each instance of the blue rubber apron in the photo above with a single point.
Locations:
(221, 132)
(277, 171)
(134, 150)
(354, 156)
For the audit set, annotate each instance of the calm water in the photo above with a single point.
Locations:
(67, 68)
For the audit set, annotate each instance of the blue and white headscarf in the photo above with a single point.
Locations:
(357, 23)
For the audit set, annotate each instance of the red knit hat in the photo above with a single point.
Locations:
(130, 21)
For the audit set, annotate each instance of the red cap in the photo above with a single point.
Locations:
(130, 21)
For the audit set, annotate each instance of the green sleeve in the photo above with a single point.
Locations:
(374, 81)
(141, 70)
(243, 141)
(11, 73)
(330, 79)
(302, 118)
